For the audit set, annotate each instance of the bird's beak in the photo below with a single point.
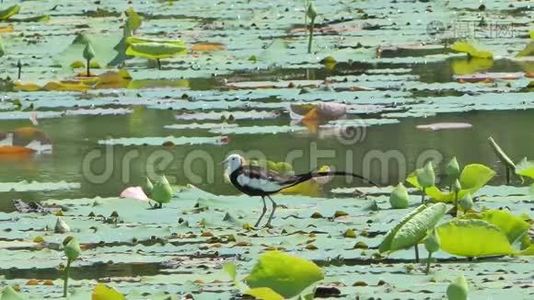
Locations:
(223, 162)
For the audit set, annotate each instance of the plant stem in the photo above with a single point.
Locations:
(159, 63)
(507, 175)
(423, 196)
(456, 202)
(310, 40)
(19, 72)
(88, 67)
(428, 262)
(416, 253)
(66, 279)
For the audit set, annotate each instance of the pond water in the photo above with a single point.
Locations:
(245, 82)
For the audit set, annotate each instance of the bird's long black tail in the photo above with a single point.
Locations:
(304, 177)
(342, 173)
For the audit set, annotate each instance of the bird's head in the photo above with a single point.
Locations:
(233, 162)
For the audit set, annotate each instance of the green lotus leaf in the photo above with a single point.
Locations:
(285, 274)
(470, 238)
(472, 178)
(155, 50)
(525, 168)
(104, 292)
(2, 50)
(472, 51)
(413, 227)
(263, 294)
(9, 12)
(470, 65)
(513, 226)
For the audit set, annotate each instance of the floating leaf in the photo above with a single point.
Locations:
(413, 227)
(231, 269)
(155, 50)
(470, 238)
(9, 12)
(207, 47)
(513, 226)
(472, 51)
(458, 289)
(104, 292)
(285, 274)
(470, 65)
(263, 294)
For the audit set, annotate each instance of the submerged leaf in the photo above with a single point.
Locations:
(471, 238)
(413, 227)
(285, 274)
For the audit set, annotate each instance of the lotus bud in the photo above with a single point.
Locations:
(149, 185)
(458, 289)
(432, 243)
(10, 294)
(71, 247)
(88, 52)
(453, 168)
(399, 198)
(466, 203)
(311, 12)
(162, 191)
(61, 226)
(426, 176)
(457, 186)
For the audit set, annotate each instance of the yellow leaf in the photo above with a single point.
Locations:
(466, 47)
(263, 293)
(207, 47)
(155, 50)
(26, 86)
(103, 292)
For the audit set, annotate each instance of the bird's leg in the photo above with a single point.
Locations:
(263, 211)
(272, 212)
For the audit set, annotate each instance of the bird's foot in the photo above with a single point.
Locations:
(268, 225)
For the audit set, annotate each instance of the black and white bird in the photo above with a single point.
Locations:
(257, 181)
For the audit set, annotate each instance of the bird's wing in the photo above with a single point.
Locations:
(262, 176)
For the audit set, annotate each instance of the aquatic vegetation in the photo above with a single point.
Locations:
(72, 250)
(9, 12)
(88, 54)
(155, 49)
(160, 192)
(8, 293)
(311, 13)
(399, 197)
(432, 245)
(104, 292)
(471, 50)
(285, 274)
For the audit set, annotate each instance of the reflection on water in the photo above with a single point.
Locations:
(388, 151)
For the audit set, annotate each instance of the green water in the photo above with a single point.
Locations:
(74, 137)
